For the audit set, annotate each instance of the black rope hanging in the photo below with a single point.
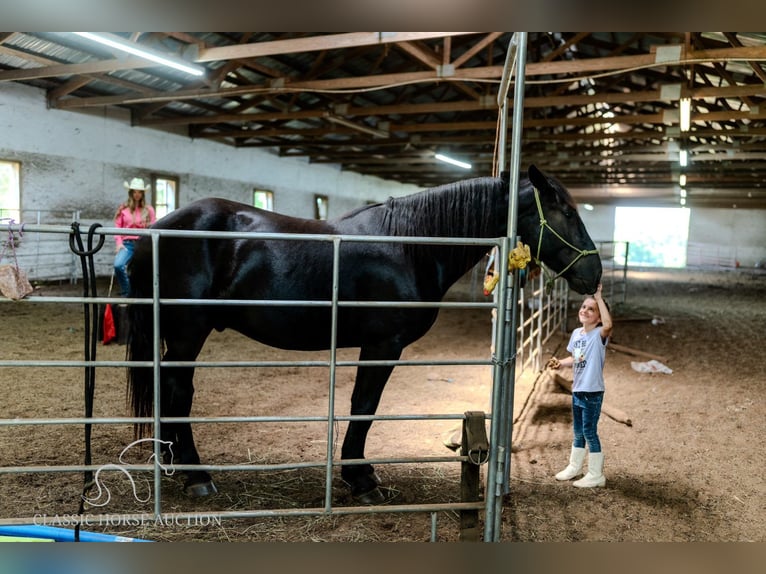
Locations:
(91, 320)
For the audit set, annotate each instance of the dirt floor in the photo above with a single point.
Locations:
(688, 468)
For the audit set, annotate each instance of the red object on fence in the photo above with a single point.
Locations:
(109, 330)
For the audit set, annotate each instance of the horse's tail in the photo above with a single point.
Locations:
(140, 392)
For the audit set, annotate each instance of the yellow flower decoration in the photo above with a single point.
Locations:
(517, 259)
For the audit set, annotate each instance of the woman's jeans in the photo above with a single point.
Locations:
(120, 266)
(586, 410)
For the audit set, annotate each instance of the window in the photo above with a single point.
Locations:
(165, 196)
(263, 199)
(321, 205)
(10, 190)
(657, 235)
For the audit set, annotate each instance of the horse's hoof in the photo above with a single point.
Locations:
(201, 489)
(371, 498)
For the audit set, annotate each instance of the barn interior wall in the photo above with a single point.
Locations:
(728, 237)
(717, 237)
(79, 161)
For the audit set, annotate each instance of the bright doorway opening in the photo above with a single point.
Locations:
(657, 235)
(10, 190)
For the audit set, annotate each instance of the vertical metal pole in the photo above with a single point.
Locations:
(333, 362)
(502, 100)
(520, 335)
(497, 453)
(539, 342)
(156, 358)
(509, 383)
(625, 274)
(512, 294)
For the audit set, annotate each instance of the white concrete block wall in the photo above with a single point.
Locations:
(77, 159)
(74, 161)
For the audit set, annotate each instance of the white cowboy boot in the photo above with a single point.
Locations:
(595, 475)
(576, 458)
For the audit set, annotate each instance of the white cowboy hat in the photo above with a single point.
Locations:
(136, 183)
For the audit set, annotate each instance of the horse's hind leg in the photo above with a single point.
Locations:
(177, 393)
(368, 389)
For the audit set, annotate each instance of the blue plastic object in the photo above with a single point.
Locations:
(61, 534)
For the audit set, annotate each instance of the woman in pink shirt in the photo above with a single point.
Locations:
(133, 214)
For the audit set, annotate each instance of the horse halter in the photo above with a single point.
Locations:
(543, 226)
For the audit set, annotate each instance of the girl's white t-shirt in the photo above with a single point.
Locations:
(589, 352)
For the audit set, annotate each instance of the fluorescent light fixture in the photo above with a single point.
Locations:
(588, 206)
(682, 180)
(683, 193)
(683, 201)
(685, 108)
(683, 158)
(118, 43)
(452, 161)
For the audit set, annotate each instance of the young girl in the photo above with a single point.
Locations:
(588, 347)
(133, 214)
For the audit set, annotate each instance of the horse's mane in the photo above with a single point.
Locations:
(465, 208)
(462, 209)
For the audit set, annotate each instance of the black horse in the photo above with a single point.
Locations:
(274, 269)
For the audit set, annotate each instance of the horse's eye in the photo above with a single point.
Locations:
(568, 212)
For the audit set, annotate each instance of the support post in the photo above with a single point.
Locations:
(502, 405)
(475, 447)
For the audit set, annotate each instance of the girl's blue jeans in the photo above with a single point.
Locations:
(586, 410)
(121, 260)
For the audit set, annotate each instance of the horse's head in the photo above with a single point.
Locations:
(555, 233)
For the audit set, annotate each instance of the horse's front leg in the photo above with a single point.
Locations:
(177, 393)
(368, 389)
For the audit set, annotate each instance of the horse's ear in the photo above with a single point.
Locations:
(537, 177)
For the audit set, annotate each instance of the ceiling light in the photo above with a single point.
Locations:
(447, 159)
(118, 43)
(683, 158)
(683, 201)
(683, 193)
(587, 206)
(685, 108)
(682, 180)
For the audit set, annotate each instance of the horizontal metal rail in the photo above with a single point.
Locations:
(329, 238)
(368, 363)
(232, 466)
(253, 302)
(231, 419)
